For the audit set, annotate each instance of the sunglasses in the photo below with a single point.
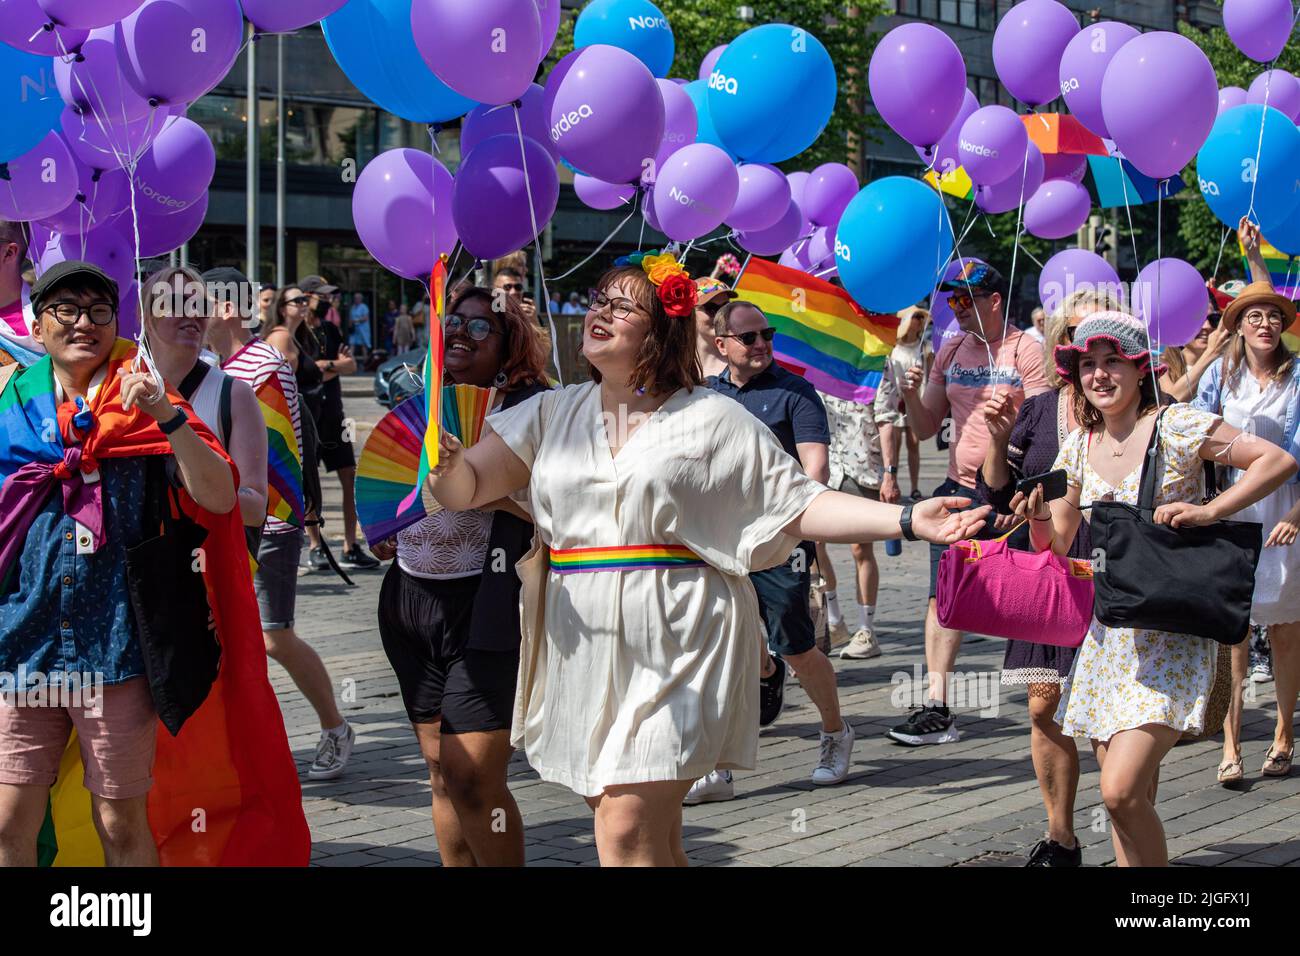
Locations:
(298, 301)
(964, 300)
(67, 313)
(477, 328)
(749, 338)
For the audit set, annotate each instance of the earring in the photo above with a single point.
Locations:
(501, 380)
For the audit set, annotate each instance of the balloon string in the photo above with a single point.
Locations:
(1128, 212)
(1160, 205)
(1215, 277)
(1259, 146)
(1011, 280)
(537, 250)
(603, 243)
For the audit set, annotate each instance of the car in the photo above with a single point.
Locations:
(400, 377)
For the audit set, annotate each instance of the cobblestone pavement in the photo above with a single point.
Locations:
(973, 803)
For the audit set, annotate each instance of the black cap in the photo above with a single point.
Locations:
(317, 285)
(224, 275)
(69, 272)
(977, 277)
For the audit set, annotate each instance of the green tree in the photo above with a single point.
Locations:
(700, 25)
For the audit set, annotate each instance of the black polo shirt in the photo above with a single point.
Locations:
(783, 402)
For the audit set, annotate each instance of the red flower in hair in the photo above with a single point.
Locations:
(678, 295)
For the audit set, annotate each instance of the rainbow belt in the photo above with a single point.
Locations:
(628, 557)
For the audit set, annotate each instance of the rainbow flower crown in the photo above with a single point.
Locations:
(677, 292)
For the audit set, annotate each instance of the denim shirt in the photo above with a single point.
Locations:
(1209, 398)
(67, 612)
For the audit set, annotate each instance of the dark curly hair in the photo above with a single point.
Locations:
(667, 360)
(523, 354)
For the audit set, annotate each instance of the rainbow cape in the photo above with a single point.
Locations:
(432, 380)
(284, 498)
(840, 347)
(225, 788)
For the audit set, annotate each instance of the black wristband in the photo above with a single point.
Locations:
(171, 426)
(905, 523)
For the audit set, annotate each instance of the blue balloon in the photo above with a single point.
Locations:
(1228, 171)
(372, 43)
(885, 276)
(637, 26)
(29, 101)
(705, 133)
(1285, 237)
(772, 93)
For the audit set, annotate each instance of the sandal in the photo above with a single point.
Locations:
(1277, 764)
(1231, 771)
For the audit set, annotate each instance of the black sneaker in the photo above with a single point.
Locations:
(1051, 853)
(316, 559)
(771, 694)
(927, 725)
(354, 557)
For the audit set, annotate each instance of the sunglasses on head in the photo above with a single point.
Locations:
(749, 338)
(478, 328)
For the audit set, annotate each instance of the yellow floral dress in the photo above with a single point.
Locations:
(1126, 677)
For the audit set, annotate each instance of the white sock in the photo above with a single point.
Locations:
(868, 615)
(834, 616)
(340, 731)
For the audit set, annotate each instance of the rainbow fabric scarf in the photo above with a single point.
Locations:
(231, 760)
(284, 498)
(821, 333)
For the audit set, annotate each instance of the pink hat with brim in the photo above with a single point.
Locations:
(1128, 334)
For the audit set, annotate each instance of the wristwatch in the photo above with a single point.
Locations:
(905, 523)
(891, 469)
(172, 424)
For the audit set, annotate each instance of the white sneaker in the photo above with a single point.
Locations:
(332, 754)
(863, 646)
(713, 787)
(833, 764)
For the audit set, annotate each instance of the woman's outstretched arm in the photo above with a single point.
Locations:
(472, 477)
(838, 518)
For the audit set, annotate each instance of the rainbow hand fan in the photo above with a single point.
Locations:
(388, 473)
(464, 409)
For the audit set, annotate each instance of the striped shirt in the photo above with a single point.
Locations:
(255, 363)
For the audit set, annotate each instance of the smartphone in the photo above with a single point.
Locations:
(1053, 483)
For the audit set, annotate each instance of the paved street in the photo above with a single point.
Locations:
(972, 803)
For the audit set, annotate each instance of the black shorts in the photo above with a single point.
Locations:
(783, 593)
(424, 625)
(335, 453)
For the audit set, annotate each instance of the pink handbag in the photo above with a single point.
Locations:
(987, 587)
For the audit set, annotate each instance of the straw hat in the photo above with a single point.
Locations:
(1258, 293)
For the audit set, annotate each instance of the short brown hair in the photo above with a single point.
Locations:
(667, 360)
(11, 231)
(722, 320)
(524, 361)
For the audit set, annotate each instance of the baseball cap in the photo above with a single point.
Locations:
(70, 272)
(976, 277)
(317, 285)
(711, 290)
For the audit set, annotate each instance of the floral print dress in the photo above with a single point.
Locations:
(1126, 677)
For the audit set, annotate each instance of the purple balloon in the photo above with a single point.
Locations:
(821, 249)
(1280, 88)
(798, 183)
(774, 239)
(402, 208)
(41, 182)
(104, 145)
(695, 191)
(830, 189)
(92, 81)
(917, 79)
(160, 235)
(489, 200)
(763, 199)
(992, 144)
(648, 209)
(87, 14)
(285, 16)
(128, 311)
(680, 122)
(602, 195)
(548, 12)
(1170, 296)
(605, 113)
(1083, 67)
(946, 156)
(101, 195)
(1016, 189)
(790, 259)
(1075, 270)
(484, 122)
(1231, 96)
(1160, 97)
(194, 62)
(1070, 166)
(26, 26)
(1259, 28)
(710, 61)
(177, 169)
(485, 50)
(1057, 209)
(112, 249)
(1027, 49)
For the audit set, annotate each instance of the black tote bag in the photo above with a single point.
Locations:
(1196, 581)
(177, 634)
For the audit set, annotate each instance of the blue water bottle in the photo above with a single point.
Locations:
(893, 547)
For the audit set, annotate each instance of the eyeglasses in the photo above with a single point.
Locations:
(478, 328)
(964, 300)
(749, 338)
(1257, 319)
(68, 313)
(298, 301)
(619, 308)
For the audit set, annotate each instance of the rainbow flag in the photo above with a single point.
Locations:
(284, 498)
(841, 347)
(432, 380)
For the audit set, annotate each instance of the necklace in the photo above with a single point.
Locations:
(1117, 450)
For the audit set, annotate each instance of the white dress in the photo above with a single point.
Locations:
(1263, 412)
(647, 674)
(1125, 677)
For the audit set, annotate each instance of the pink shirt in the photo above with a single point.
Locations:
(961, 381)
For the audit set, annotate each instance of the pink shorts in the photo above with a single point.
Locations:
(117, 746)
